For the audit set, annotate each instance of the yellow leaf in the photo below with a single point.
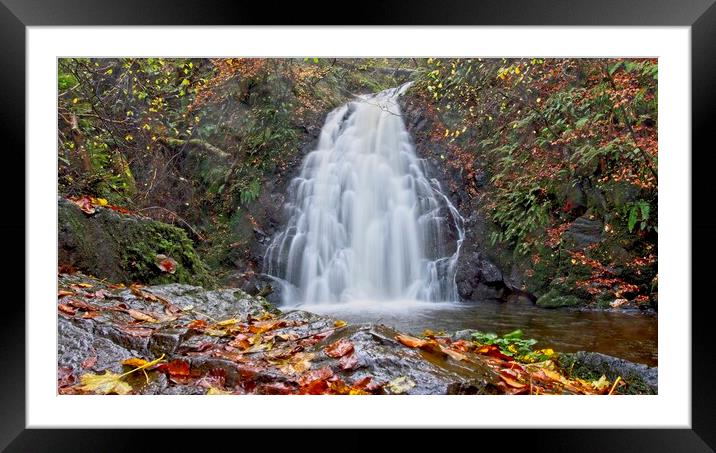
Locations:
(213, 391)
(135, 362)
(339, 323)
(105, 384)
(227, 322)
(100, 201)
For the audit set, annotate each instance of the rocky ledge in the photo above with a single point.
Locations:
(183, 339)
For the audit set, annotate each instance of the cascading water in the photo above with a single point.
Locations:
(364, 221)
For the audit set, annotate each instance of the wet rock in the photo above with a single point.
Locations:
(479, 279)
(218, 304)
(640, 379)
(76, 345)
(124, 248)
(384, 359)
(583, 232)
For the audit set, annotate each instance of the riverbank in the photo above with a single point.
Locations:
(182, 339)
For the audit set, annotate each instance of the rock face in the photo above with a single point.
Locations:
(100, 326)
(125, 248)
(583, 232)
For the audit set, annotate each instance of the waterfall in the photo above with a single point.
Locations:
(365, 223)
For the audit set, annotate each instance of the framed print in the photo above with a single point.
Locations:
(450, 218)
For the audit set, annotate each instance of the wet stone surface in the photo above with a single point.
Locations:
(182, 339)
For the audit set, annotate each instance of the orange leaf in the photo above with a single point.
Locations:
(66, 309)
(63, 293)
(339, 348)
(411, 342)
(140, 316)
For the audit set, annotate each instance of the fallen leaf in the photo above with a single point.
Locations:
(89, 362)
(83, 285)
(140, 316)
(84, 203)
(176, 368)
(227, 322)
(82, 305)
(400, 385)
(275, 388)
(411, 342)
(321, 374)
(339, 323)
(104, 384)
(511, 382)
(339, 348)
(63, 293)
(138, 331)
(166, 264)
(197, 324)
(134, 362)
(65, 376)
(66, 309)
(453, 354)
(215, 391)
(348, 362)
(297, 364)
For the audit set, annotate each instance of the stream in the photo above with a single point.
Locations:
(628, 335)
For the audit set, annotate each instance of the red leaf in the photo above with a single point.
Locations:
(339, 348)
(275, 388)
(166, 264)
(89, 362)
(197, 324)
(320, 374)
(348, 362)
(85, 204)
(175, 368)
(65, 376)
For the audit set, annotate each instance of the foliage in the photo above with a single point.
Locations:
(559, 139)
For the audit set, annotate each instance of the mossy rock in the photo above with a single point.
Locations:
(554, 299)
(124, 248)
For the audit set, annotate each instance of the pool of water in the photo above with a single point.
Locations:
(629, 335)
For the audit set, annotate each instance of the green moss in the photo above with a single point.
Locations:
(555, 299)
(124, 248)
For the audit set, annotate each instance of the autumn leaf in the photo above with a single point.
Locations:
(297, 364)
(215, 391)
(66, 309)
(339, 323)
(411, 342)
(348, 362)
(85, 204)
(176, 368)
(400, 385)
(134, 362)
(321, 374)
(227, 322)
(339, 348)
(89, 362)
(453, 354)
(63, 293)
(197, 324)
(166, 264)
(140, 316)
(138, 331)
(105, 384)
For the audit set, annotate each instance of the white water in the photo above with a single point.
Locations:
(365, 224)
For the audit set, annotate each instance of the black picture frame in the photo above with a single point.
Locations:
(700, 15)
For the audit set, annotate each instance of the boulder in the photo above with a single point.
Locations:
(639, 378)
(583, 232)
(126, 248)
